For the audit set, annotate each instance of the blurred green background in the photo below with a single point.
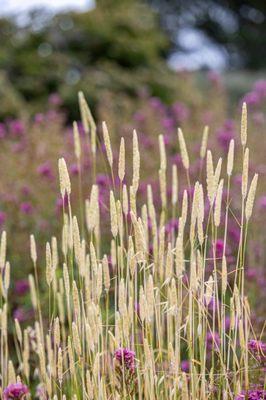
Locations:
(125, 47)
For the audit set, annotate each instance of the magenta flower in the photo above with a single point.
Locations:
(17, 127)
(126, 358)
(258, 349)
(181, 112)
(252, 395)
(15, 391)
(26, 208)
(256, 345)
(213, 340)
(54, 99)
(39, 118)
(45, 170)
(74, 169)
(21, 287)
(185, 366)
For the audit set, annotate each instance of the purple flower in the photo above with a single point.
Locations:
(185, 366)
(262, 202)
(252, 395)
(21, 287)
(17, 127)
(15, 391)
(258, 350)
(126, 358)
(139, 116)
(156, 103)
(251, 98)
(45, 170)
(26, 208)
(225, 134)
(74, 169)
(41, 392)
(180, 111)
(54, 99)
(23, 315)
(171, 226)
(256, 346)
(39, 118)
(213, 338)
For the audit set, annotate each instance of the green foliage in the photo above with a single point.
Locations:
(116, 47)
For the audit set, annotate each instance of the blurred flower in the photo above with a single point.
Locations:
(225, 134)
(212, 340)
(126, 358)
(171, 226)
(41, 393)
(256, 347)
(15, 391)
(16, 127)
(252, 395)
(26, 208)
(22, 315)
(21, 287)
(185, 366)
(139, 117)
(74, 169)
(60, 203)
(39, 118)
(156, 103)
(181, 112)
(54, 99)
(45, 170)
(262, 202)
(251, 98)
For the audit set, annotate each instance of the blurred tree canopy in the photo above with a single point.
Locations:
(116, 47)
(238, 27)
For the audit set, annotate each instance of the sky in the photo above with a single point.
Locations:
(22, 6)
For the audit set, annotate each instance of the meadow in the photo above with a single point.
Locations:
(132, 251)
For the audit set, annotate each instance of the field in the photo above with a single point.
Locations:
(132, 251)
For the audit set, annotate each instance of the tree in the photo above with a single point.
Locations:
(238, 26)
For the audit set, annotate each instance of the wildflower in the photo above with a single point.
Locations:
(256, 346)
(26, 208)
(252, 395)
(21, 287)
(45, 170)
(74, 169)
(54, 99)
(185, 366)
(258, 350)
(180, 111)
(41, 392)
(15, 391)
(226, 134)
(17, 127)
(213, 338)
(125, 358)
(38, 118)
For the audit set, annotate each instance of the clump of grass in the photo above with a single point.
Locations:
(142, 315)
